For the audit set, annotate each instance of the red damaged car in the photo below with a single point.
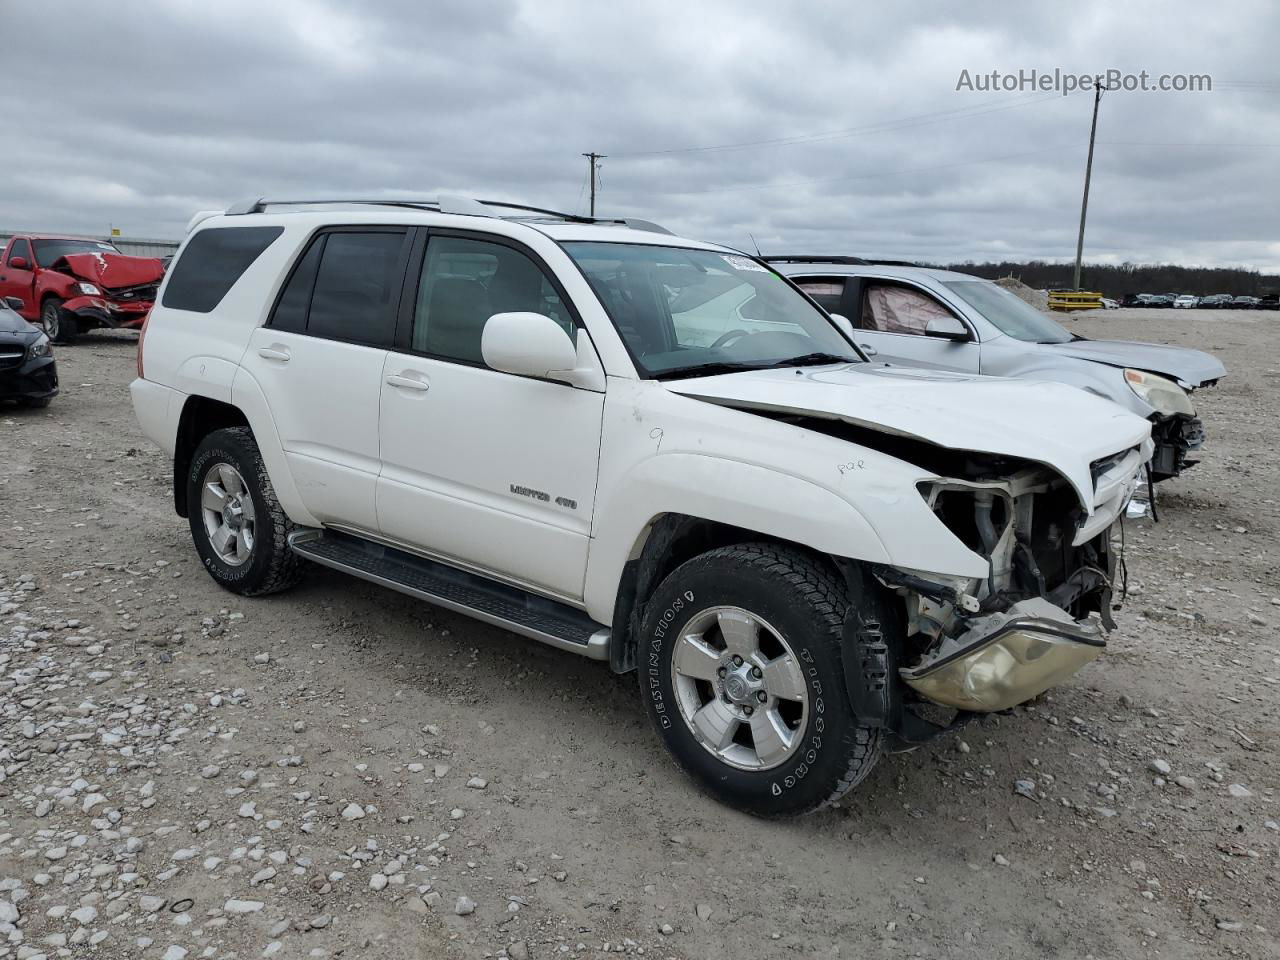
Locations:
(70, 285)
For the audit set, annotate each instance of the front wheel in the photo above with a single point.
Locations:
(742, 674)
(58, 327)
(239, 528)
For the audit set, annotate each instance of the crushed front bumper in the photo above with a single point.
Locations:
(1005, 659)
(1176, 438)
(104, 312)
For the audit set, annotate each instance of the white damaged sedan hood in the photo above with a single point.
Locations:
(1053, 424)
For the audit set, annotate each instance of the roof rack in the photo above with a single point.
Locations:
(463, 206)
(805, 258)
(843, 261)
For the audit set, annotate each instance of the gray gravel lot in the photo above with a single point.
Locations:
(342, 771)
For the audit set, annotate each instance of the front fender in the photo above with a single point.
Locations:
(773, 504)
(1097, 378)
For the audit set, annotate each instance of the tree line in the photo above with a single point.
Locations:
(1117, 280)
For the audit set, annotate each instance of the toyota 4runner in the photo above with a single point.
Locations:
(642, 449)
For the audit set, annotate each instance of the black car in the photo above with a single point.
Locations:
(1270, 302)
(1215, 301)
(28, 373)
(1245, 303)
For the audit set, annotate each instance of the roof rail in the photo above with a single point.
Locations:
(843, 261)
(809, 258)
(464, 206)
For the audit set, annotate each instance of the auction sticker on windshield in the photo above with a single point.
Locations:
(744, 263)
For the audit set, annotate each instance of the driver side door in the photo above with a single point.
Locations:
(891, 320)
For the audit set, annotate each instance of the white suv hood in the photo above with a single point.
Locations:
(1050, 423)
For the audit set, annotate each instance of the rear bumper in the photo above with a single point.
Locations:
(32, 380)
(157, 408)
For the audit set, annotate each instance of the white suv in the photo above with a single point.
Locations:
(641, 449)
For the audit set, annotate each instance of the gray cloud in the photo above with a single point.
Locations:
(137, 114)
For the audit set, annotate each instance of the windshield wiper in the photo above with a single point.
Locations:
(705, 370)
(812, 360)
(723, 366)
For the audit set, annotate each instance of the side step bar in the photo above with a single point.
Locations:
(495, 603)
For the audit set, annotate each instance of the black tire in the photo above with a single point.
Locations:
(36, 403)
(271, 565)
(806, 604)
(59, 326)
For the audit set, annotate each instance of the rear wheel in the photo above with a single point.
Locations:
(58, 327)
(742, 674)
(239, 529)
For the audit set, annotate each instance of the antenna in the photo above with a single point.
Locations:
(754, 244)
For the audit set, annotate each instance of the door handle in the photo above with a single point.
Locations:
(868, 349)
(408, 383)
(274, 353)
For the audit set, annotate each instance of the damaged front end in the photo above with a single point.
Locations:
(111, 290)
(979, 645)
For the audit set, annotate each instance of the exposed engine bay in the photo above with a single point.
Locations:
(985, 644)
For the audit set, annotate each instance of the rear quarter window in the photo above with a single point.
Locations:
(212, 262)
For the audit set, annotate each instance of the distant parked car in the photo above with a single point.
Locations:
(1160, 300)
(1185, 301)
(1215, 301)
(1109, 304)
(69, 284)
(1245, 303)
(1270, 302)
(27, 370)
(938, 319)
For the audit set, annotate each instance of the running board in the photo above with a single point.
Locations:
(511, 608)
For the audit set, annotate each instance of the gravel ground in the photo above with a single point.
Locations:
(342, 771)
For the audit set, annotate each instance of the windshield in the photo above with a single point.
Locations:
(48, 251)
(1010, 315)
(683, 312)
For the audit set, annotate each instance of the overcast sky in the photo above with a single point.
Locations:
(856, 138)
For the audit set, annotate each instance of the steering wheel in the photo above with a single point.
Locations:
(726, 338)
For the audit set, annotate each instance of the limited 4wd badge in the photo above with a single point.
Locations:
(522, 491)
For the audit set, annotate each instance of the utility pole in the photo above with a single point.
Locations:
(1088, 172)
(593, 161)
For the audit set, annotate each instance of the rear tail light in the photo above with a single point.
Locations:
(142, 336)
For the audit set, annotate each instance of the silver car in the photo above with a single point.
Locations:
(939, 319)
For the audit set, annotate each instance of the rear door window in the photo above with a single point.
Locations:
(827, 292)
(295, 300)
(213, 260)
(357, 287)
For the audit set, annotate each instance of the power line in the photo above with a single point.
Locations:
(871, 176)
(593, 168)
(939, 116)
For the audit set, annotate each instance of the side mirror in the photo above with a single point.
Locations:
(15, 303)
(19, 263)
(843, 323)
(946, 328)
(528, 345)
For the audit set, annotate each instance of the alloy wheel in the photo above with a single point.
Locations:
(227, 508)
(740, 687)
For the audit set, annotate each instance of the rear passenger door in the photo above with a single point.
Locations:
(486, 469)
(319, 361)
